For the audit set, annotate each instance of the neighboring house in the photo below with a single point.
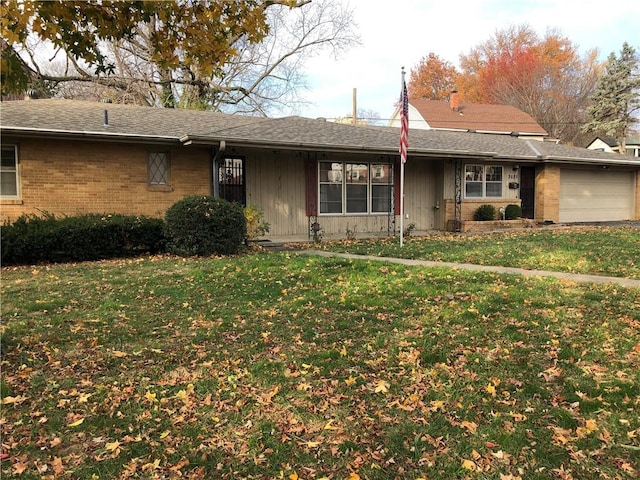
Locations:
(610, 144)
(470, 117)
(70, 157)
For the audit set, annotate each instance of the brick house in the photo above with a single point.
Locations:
(70, 157)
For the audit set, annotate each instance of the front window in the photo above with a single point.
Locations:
(354, 188)
(9, 172)
(483, 181)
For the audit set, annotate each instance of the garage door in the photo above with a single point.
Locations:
(595, 195)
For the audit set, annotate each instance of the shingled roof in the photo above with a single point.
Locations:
(479, 117)
(126, 123)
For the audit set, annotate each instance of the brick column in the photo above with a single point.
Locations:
(637, 211)
(548, 194)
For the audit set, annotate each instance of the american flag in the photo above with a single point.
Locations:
(404, 122)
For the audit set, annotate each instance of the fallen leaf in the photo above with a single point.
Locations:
(330, 426)
(76, 423)
(9, 400)
(151, 397)
(151, 466)
(112, 446)
(471, 426)
(303, 387)
(350, 381)
(591, 426)
(469, 465)
(19, 467)
(381, 387)
(58, 468)
(119, 354)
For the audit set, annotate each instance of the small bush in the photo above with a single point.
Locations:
(33, 239)
(204, 225)
(512, 212)
(256, 226)
(485, 213)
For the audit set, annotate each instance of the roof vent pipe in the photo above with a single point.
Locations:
(106, 117)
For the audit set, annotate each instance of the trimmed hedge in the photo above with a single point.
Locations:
(485, 213)
(34, 239)
(512, 212)
(204, 225)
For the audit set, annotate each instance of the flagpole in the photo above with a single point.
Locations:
(402, 162)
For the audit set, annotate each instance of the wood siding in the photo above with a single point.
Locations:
(275, 183)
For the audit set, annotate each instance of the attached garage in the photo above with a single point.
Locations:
(596, 195)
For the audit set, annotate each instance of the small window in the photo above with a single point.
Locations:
(473, 181)
(331, 187)
(158, 170)
(357, 188)
(9, 172)
(493, 181)
(482, 181)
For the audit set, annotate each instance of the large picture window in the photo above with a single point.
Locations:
(482, 181)
(9, 172)
(354, 188)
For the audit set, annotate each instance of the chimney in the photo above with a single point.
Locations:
(454, 100)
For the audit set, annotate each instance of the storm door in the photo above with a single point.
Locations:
(231, 180)
(528, 191)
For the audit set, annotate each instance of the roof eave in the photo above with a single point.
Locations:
(89, 135)
(412, 152)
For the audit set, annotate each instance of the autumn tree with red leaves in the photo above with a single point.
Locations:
(545, 77)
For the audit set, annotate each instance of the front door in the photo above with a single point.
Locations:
(231, 180)
(528, 191)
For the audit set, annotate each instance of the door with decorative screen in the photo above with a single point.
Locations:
(231, 180)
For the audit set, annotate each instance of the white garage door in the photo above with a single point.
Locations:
(595, 196)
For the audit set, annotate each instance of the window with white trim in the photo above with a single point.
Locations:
(482, 181)
(354, 188)
(158, 168)
(9, 172)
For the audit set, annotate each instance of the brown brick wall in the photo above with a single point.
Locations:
(66, 178)
(469, 207)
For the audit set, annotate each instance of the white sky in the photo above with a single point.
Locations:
(398, 33)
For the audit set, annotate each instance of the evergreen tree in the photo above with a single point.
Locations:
(616, 98)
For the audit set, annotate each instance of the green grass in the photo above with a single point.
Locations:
(613, 251)
(277, 365)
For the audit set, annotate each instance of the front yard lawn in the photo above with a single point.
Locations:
(279, 365)
(611, 251)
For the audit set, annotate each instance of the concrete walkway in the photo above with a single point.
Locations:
(573, 277)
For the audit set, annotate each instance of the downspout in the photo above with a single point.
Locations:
(215, 186)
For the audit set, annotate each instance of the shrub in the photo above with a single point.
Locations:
(256, 226)
(204, 225)
(44, 238)
(512, 212)
(484, 213)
